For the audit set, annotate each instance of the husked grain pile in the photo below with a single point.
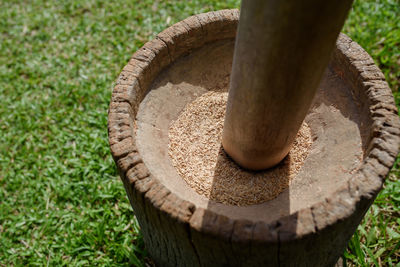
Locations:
(196, 152)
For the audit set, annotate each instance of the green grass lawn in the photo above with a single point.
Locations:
(61, 201)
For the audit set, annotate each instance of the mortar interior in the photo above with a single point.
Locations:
(338, 122)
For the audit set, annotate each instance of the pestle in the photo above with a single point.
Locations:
(281, 52)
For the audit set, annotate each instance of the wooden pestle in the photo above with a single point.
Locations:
(282, 49)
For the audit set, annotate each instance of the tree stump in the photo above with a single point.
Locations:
(355, 131)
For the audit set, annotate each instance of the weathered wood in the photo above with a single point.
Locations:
(281, 52)
(178, 232)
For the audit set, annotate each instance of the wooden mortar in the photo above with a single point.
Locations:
(355, 128)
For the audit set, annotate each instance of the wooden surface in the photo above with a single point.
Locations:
(281, 52)
(178, 233)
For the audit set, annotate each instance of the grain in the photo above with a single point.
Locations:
(197, 154)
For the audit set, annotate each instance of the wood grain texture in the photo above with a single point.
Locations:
(177, 233)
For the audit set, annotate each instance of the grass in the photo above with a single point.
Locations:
(375, 25)
(61, 201)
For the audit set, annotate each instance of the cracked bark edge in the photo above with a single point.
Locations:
(137, 75)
